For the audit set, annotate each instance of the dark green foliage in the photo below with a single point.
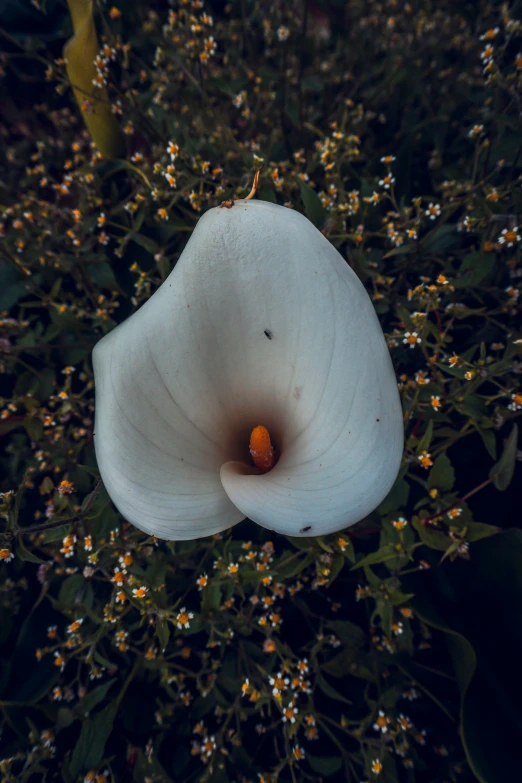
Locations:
(397, 642)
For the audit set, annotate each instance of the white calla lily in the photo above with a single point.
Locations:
(261, 323)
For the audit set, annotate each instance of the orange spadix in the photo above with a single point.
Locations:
(261, 449)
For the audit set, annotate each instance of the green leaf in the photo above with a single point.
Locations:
(92, 471)
(406, 249)
(267, 193)
(442, 238)
(33, 427)
(488, 438)
(325, 765)
(24, 554)
(474, 268)
(473, 407)
(156, 572)
(329, 690)
(372, 578)
(337, 566)
(13, 286)
(71, 589)
(457, 372)
(163, 634)
(148, 244)
(435, 539)
(90, 747)
(396, 498)
(250, 577)
(211, 598)
(99, 658)
(92, 699)
(349, 551)
(103, 276)
(150, 767)
(387, 552)
(350, 634)
(475, 603)
(46, 486)
(95, 502)
(425, 441)
(196, 625)
(294, 568)
(312, 83)
(319, 541)
(442, 475)
(46, 383)
(300, 543)
(56, 533)
(313, 207)
(477, 530)
(397, 598)
(502, 472)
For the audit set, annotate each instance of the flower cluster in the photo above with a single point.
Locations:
(247, 645)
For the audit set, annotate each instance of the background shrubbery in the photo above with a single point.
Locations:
(390, 652)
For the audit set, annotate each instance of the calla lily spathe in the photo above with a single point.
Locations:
(261, 323)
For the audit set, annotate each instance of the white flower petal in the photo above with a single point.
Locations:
(261, 322)
(160, 469)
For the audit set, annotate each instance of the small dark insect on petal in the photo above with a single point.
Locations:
(268, 334)
(305, 529)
